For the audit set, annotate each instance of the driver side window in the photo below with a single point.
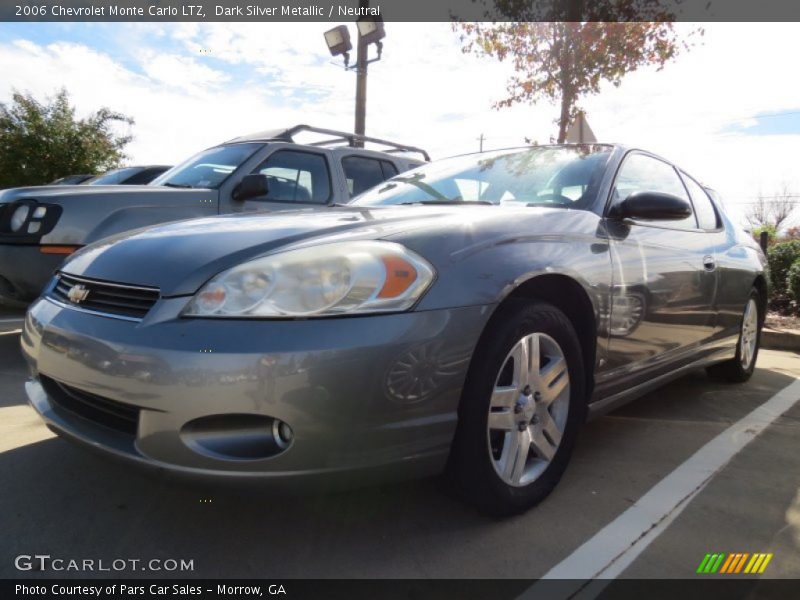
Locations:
(642, 173)
(294, 176)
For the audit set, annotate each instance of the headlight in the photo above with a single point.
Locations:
(18, 217)
(331, 279)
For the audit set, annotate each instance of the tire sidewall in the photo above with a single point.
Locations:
(476, 468)
(759, 325)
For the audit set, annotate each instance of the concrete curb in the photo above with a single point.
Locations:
(780, 339)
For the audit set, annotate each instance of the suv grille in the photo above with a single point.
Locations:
(112, 298)
(103, 411)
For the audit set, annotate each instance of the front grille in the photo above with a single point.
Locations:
(103, 411)
(112, 298)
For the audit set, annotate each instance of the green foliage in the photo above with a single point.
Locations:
(772, 232)
(781, 257)
(793, 281)
(563, 61)
(40, 142)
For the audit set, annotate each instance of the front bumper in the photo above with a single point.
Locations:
(24, 272)
(361, 394)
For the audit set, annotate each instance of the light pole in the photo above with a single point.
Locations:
(370, 31)
(361, 79)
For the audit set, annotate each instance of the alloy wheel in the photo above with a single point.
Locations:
(528, 409)
(749, 336)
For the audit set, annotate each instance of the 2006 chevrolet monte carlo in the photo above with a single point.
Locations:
(469, 315)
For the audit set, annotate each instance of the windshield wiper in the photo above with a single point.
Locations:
(448, 202)
(178, 185)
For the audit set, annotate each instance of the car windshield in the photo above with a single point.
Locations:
(548, 175)
(113, 177)
(209, 168)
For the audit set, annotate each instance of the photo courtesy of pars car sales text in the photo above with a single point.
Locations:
(374, 299)
(122, 589)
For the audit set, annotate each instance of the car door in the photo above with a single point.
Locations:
(662, 300)
(734, 262)
(296, 178)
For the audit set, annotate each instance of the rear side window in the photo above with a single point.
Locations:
(294, 176)
(363, 173)
(642, 173)
(144, 177)
(706, 213)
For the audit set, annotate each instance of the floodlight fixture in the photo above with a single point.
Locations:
(338, 40)
(370, 29)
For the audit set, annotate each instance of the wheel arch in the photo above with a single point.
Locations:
(568, 295)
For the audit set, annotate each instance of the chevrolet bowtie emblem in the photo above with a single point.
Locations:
(77, 293)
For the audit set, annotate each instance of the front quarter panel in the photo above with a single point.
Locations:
(482, 263)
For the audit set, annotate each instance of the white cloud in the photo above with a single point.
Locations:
(181, 72)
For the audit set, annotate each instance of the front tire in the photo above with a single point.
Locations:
(522, 404)
(740, 368)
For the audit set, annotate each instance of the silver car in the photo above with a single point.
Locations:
(469, 314)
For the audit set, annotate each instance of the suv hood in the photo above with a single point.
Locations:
(60, 194)
(180, 257)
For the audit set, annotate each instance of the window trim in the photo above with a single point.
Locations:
(327, 162)
(385, 162)
(720, 224)
(677, 171)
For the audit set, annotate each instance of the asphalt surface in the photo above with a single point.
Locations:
(61, 500)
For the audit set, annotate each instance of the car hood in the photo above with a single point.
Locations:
(179, 257)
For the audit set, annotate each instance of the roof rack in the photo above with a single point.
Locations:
(337, 137)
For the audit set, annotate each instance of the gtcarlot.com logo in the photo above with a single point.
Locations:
(45, 562)
(734, 563)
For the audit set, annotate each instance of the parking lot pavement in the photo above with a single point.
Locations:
(60, 500)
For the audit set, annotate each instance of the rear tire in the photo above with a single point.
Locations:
(518, 417)
(740, 368)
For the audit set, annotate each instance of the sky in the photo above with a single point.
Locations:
(728, 111)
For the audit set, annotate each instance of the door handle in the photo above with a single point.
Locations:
(708, 263)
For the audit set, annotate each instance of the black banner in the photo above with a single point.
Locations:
(707, 588)
(398, 10)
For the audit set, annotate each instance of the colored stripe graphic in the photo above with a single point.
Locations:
(718, 562)
(735, 562)
(727, 564)
(764, 564)
(737, 557)
(710, 563)
(741, 562)
(703, 563)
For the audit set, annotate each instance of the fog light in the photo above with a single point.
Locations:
(237, 436)
(284, 434)
(18, 217)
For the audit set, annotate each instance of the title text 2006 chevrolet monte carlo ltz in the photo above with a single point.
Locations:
(468, 316)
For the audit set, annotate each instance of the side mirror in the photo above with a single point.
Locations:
(251, 186)
(652, 206)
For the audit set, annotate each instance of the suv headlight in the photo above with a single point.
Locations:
(331, 279)
(19, 216)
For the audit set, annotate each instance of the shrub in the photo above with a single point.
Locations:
(770, 229)
(793, 281)
(781, 257)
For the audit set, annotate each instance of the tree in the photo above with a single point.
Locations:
(565, 61)
(40, 142)
(771, 213)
